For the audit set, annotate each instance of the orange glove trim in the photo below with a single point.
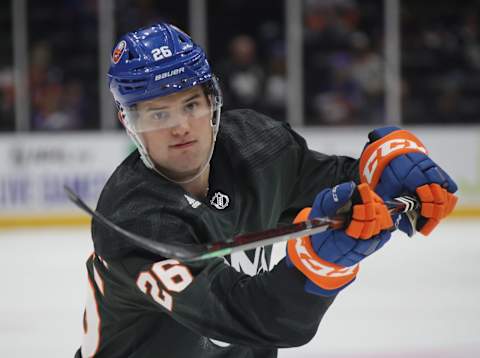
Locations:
(437, 203)
(378, 154)
(325, 274)
(452, 202)
(370, 217)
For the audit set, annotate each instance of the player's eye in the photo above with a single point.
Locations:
(159, 116)
(191, 107)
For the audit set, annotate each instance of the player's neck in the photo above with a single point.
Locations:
(198, 187)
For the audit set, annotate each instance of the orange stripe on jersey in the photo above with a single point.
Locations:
(98, 279)
(91, 324)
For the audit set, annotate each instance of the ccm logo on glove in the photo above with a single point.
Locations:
(396, 163)
(376, 157)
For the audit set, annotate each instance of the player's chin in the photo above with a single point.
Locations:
(184, 172)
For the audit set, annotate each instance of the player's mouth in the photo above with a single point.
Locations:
(183, 145)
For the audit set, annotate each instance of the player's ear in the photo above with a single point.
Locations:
(121, 117)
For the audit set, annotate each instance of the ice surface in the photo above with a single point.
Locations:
(418, 297)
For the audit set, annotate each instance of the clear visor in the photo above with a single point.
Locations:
(150, 116)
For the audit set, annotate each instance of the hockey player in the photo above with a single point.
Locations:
(202, 176)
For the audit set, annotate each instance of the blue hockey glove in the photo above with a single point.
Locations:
(330, 259)
(396, 163)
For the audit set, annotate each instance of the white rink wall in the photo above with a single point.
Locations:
(34, 168)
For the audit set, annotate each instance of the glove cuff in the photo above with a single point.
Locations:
(324, 274)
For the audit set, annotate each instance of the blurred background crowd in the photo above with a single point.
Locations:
(343, 59)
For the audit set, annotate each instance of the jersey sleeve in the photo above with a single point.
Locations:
(315, 171)
(213, 300)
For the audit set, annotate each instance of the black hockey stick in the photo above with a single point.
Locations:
(242, 242)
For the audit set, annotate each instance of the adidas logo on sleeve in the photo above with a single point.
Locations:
(193, 203)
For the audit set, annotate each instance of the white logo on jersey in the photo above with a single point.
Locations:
(218, 343)
(242, 263)
(193, 203)
(220, 200)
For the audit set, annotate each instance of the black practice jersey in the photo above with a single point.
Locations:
(246, 305)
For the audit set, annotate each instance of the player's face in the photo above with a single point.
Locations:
(181, 149)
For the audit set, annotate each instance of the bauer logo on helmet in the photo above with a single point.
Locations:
(171, 73)
(118, 52)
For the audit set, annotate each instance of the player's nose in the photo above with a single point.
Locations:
(181, 128)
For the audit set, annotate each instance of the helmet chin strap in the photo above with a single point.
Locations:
(147, 160)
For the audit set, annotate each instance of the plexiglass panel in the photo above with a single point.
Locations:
(440, 61)
(343, 62)
(246, 43)
(63, 65)
(7, 92)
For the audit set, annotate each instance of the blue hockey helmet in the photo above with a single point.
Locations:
(156, 61)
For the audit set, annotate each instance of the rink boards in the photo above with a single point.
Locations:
(35, 167)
